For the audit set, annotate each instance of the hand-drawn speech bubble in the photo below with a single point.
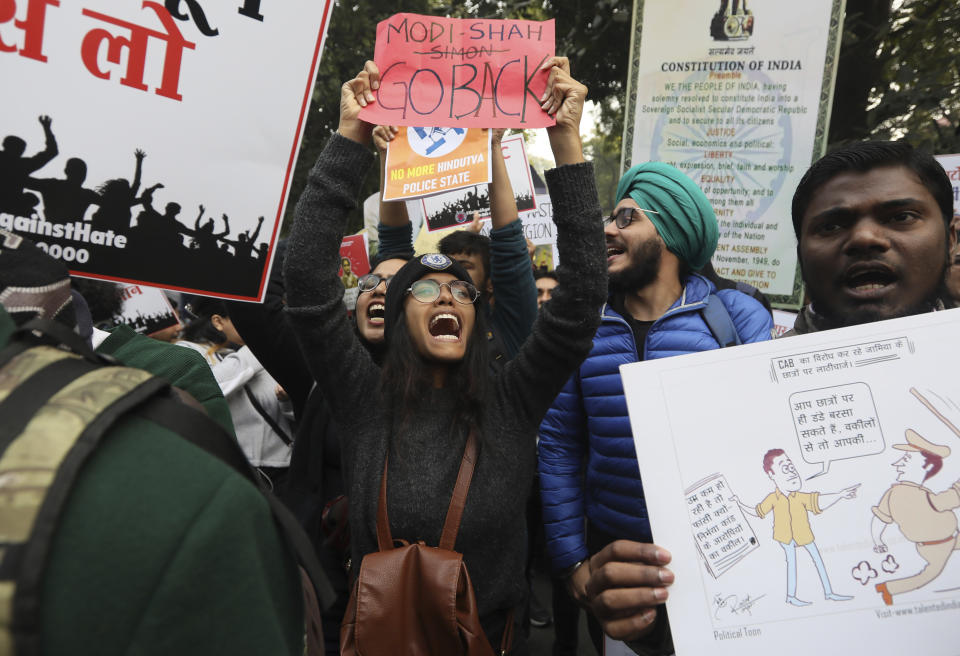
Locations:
(836, 423)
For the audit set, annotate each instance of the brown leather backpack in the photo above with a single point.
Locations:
(415, 599)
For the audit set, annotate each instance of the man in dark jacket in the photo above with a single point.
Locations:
(872, 223)
(662, 230)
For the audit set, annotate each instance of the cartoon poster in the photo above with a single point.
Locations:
(153, 142)
(737, 95)
(424, 161)
(456, 208)
(461, 72)
(354, 264)
(808, 489)
(146, 310)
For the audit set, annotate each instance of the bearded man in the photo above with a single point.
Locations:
(662, 231)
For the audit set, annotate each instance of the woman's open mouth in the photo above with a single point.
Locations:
(375, 314)
(445, 327)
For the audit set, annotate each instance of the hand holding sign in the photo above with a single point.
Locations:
(382, 136)
(464, 73)
(563, 99)
(354, 96)
(628, 581)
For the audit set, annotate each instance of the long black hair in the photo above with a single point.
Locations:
(406, 376)
(198, 312)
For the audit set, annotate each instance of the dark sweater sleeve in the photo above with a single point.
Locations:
(513, 287)
(563, 332)
(341, 366)
(395, 241)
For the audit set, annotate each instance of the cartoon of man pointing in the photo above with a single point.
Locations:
(791, 524)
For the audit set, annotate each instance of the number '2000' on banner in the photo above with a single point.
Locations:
(461, 72)
(118, 155)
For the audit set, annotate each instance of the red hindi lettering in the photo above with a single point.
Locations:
(136, 46)
(32, 26)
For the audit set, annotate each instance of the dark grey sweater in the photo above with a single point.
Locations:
(425, 458)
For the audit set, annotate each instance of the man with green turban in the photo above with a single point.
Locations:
(662, 231)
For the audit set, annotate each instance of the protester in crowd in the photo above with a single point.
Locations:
(661, 230)
(499, 265)
(953, 272)
(545, 281)
(314, 489)
(873, 232)
(872, 222)
(435, 385)
(262, 417)
(180, 367)
(160, 548)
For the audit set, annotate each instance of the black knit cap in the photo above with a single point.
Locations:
(32, 283)
(411, 272)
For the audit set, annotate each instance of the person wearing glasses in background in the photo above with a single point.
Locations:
(661, 231)
(435, 387)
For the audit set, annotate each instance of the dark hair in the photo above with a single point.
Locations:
(932, 460)
(406, 376)
(868, 155)
(467, 242)
(769, 457)
(543, 273)
(105, 299)
(198, 312)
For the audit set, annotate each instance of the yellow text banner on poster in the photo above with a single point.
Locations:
(425, 161)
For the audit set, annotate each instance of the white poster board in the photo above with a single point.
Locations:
(455, 208)
(737, 95)
(841, 405)
(152, 142)
(146, 309)
(951, 164)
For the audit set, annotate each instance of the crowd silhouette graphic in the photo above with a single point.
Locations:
(151, 323)
(460, 210)
(160, 248)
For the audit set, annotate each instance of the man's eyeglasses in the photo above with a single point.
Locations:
(371, 281)
(428, 290)
(626, 215)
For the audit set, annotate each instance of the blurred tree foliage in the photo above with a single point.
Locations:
(897, 75)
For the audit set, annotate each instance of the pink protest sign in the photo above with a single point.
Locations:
(453, 72)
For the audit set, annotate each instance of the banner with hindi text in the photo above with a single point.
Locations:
(153, 142)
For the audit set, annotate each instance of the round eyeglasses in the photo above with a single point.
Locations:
(626, 215)
(428, 290)
(371, 281)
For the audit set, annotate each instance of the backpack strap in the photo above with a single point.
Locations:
(718, 320)
(451, 525)
(62, 405)
(271, 422)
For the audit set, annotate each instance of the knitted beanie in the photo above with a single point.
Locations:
(33, 285)
(411, 272)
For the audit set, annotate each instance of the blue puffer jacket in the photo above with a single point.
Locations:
(588, 421)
